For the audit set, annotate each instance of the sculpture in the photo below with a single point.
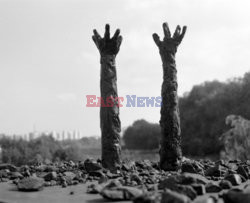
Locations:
(170, 151)
(109, 116)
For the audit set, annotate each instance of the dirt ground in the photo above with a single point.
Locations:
(57, 194)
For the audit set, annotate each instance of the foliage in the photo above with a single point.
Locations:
(203, 110)
(237, 139)
(46, 148)
(142, 135)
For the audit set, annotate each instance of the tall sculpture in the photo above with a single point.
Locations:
(109, 111)
(170, 151)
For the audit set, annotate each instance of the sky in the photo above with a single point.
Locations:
(49, 63)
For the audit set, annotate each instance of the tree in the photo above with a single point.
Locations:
(204, 109)
(142, 135)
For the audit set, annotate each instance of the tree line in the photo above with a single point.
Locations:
(203, 111)
(47, 149)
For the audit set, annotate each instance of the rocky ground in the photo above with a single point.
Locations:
(201, 181)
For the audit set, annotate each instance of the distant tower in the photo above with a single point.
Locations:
(31, 136)
(58, 136)
(74, 135)
(63, 135)
(69, 136)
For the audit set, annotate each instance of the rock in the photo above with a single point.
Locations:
(81, 165)
(184, 179)
(169, 196)
(247, 188)
(103, 179)
(189, 178)
(148, 198)
(236, 197)
(136, 178)
(205, 200)
(98, 174)
(15, 175)
(8, 166)
(64, 184)
(4, 173)
(225, 184)
(235, 179)
(172, 184)
(192, 167)
(232, 166)
(128, 166)
(121, 193)
(241, 170)
(213, 188)
(94, 188)
(50, 176)
(188, 167)
(30, 184)
(216, 171)
(50, 168)
(186, 190)
(199, 188)
(4, 179)
(113, 175)
(91, 165)
(146, 164)
(68, 177)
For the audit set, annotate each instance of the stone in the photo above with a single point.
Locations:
(148, 198)
(236, 197)
(189, 178)
(4, 173)
(15, 175)
(128, 166)
(199, 188)
(172, 184)
(235, 179)
(94, 188)
(50, 168)
(225, 184)
(188, 167)
(184, 179)
(192, 167)
(50, 176)
(213, 188)
(216, 171)
(97, 173)
(186, 190)
(8, 166)
(136, 178)
(69, 177)
(169, 196)
(121, 193)
(91, 165)
(205, 200)
(241, 171)
(30, 184)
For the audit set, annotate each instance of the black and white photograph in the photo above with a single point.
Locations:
(141, 101)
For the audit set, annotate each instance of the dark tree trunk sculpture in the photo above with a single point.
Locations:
(170, 152)
(109, 116)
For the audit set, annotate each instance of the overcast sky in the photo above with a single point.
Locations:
(49, 63)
